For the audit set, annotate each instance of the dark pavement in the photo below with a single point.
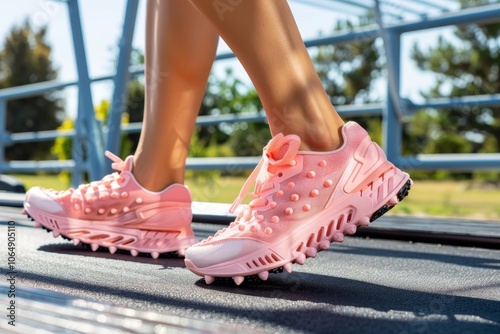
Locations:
(359, 286)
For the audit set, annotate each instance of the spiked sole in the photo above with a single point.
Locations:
(321, 240)
(98, 245)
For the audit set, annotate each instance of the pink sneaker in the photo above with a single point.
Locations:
(302, 202)
(116, 213)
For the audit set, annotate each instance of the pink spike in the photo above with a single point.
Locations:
(314, 193)
(350, 229)
(324, 244)
(264, 275)
(288, 267)
(181, 252)
(76, 242)
(275, 219)
(294, 197)
(112, 249)
(311, 174)
(209, 279)
(300, 259)
(238, 279)
(37, 224)
(327, 183)
(155, 255)
(94, 247)
(55, 233)
(364, 221)
(322, 163)
(288, 211)
(273, 205)
(306, 207)
(393, 201)
(311, 252)
(268, 230)
(134, 253)
(241, 227)
(339, 237)
(113, 211)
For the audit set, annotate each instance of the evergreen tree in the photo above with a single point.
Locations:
(467, 66)
(25, 59)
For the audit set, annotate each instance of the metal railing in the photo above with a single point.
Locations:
(395, 110)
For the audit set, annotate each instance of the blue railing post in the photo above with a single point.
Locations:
(94, 137)
(121, 79)
(3, 129)
(392, 129)
(77, 149)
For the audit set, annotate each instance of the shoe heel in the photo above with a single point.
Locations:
(402, 193)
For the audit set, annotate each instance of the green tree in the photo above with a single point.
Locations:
(466, 66)
(134, 110)
(25, 59)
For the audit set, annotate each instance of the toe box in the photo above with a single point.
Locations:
(40, 199)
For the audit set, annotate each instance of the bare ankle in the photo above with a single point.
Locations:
(158, 180)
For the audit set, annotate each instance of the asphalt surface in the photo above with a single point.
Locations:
(359, 286)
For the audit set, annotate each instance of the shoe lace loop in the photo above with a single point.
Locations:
(118, 164)
(285, 147)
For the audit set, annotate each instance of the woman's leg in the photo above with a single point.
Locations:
(117, 212)
(264, 37)
(302, 200)
(180, 49)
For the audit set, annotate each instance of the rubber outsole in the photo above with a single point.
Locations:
(111, 249)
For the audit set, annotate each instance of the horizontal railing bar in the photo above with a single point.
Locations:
(454, 162)
(226, 164)
(52, 166)
(451, 161)
(372, 109)
(478, 15)
(34, 89)
(486, 100)
(351, 110)
(28, 137)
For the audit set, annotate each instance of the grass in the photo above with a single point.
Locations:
(427, 198)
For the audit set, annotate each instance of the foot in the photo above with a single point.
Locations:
(302, 202)
(116, 213)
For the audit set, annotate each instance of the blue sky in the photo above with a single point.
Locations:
(102, 21)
